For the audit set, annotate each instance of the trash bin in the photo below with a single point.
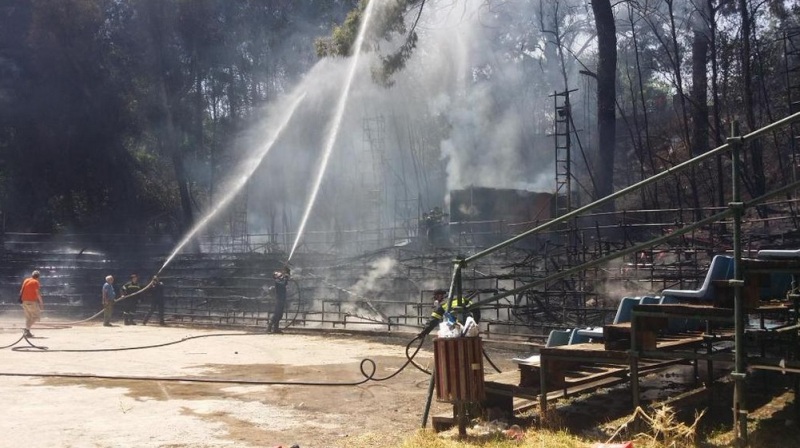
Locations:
(459, 369)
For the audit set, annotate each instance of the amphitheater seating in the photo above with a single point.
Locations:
(625, 309)
(558, 337)
(721, 268)
(650, 300)
(581, 335)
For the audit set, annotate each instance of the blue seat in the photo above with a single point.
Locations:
(625, 309)
(721, 268)
(578, 338)
(588, 334)
(650, 300)
(666, 300)
(558, 337)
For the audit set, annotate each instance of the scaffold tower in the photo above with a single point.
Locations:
(562, 132)
(374, 130)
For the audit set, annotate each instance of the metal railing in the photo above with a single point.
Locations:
(736, 208)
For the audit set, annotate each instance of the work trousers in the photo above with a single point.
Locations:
(277, 315)
(156, 305)
(128, 306)
(32, 312)
(108, 310)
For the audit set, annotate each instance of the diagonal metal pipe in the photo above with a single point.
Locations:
(631, 188)
(641, 246)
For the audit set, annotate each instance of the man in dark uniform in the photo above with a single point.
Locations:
(281, 279)
(156, 301)
(441, 307)
(129, 303)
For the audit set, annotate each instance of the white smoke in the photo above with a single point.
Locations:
(472, 107)
(377, 279)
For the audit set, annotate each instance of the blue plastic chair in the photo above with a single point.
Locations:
(650, 300)
(576, 338)
(721, 268)
(625, 309)
(666, 300)
(558, 337)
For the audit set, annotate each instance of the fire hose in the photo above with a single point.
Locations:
(367, 367)
(368, 375)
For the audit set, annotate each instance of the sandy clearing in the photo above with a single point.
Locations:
(90, 412)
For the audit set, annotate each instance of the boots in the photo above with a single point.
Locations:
(127, 319)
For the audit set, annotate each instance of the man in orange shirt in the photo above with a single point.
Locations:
(31, 300)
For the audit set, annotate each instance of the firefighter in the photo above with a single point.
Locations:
(281, 279)
(440, 307)
(434, 224)
(129, 303)
(156, 301)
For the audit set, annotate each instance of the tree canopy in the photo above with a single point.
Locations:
(126, 115)
(116, 115)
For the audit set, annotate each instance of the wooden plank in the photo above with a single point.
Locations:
(477, 368)
(682, 310)
(664, 343)
(610, 373)
(461, 371)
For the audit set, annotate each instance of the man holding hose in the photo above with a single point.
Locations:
(31, 299)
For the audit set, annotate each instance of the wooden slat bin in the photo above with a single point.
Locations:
(459, 369)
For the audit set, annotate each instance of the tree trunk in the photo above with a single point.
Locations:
(168, 137)
(757, 163)
(720, 198)
(700, 83)
(606, 96)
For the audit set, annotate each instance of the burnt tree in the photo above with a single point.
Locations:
(606, 95)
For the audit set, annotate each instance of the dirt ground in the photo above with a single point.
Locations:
(147, 410)
(83, 391)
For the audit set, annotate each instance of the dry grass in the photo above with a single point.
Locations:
(530, 438)
(661, 429)
(773, 425)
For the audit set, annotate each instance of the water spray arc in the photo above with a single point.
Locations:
(240, 181)
(333, 133)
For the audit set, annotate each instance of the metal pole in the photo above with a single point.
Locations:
(737, 206)
(460, 290)
(668, 172)
(646, 245)
(542, 388)
(430, 397)
(633, 354)
(462, 419)
(460, 407)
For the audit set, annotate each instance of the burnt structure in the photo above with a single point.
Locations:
(485, 216)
